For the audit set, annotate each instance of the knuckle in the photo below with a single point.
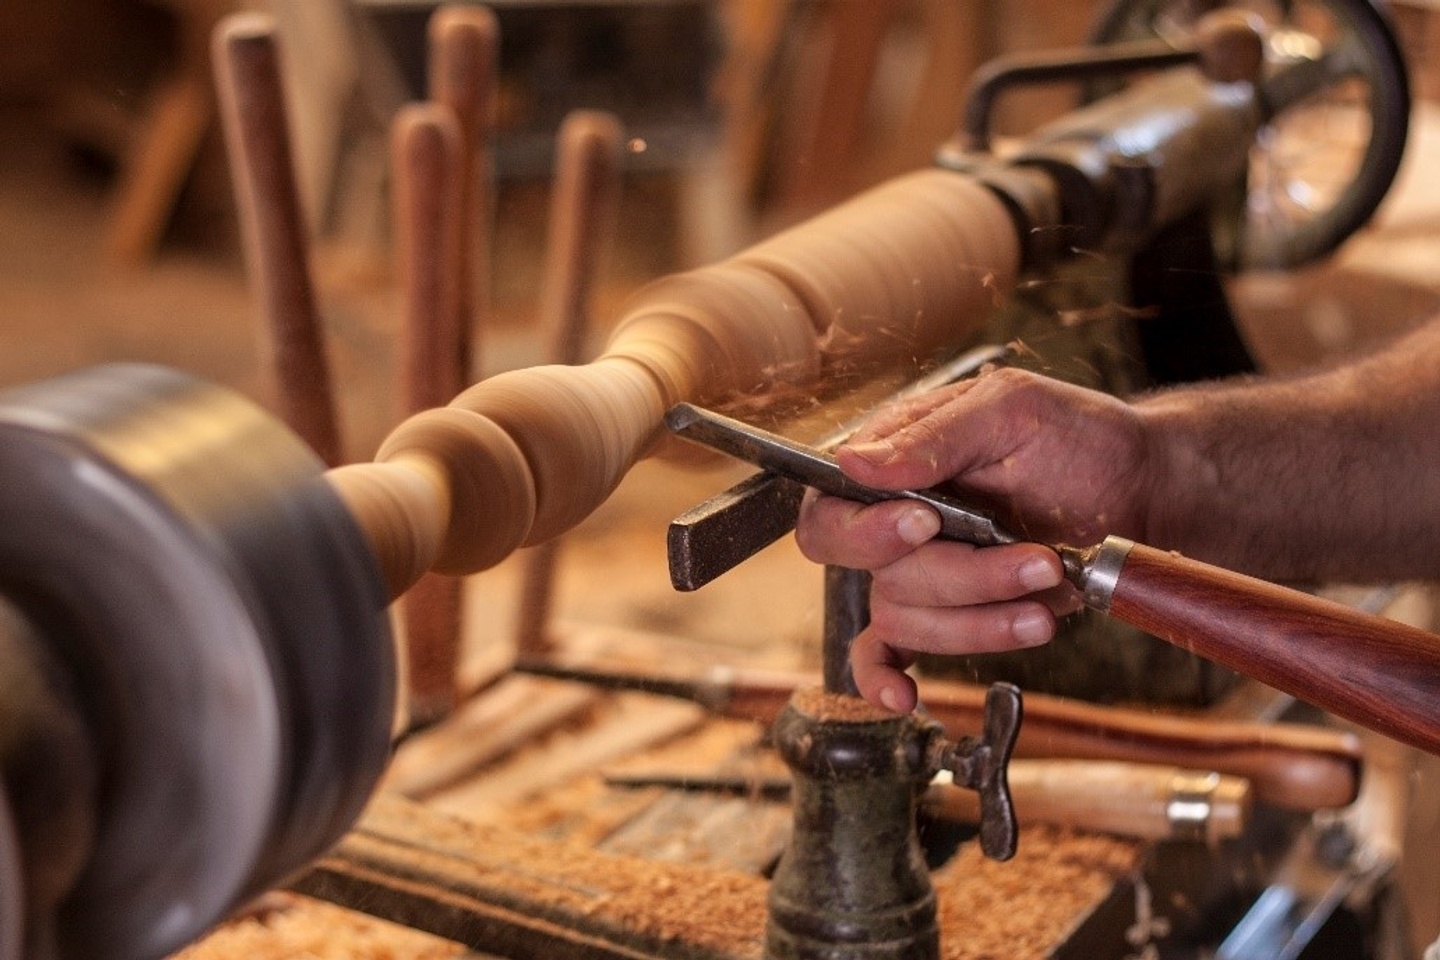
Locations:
(1011, 380)
(887, 622)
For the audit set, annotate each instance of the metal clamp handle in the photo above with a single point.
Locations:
(981, 764)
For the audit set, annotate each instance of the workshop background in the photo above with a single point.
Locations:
(119, 240)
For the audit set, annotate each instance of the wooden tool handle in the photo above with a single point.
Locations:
(1380, 674)
(426, 187)
(1142, 800)
(252, 102)
(582, 206)
(426, 174)
(1288, 765)
(464, 45)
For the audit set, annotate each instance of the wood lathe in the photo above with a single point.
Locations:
(200, 686)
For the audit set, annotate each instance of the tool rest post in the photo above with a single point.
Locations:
(847, 612)
(853, 883)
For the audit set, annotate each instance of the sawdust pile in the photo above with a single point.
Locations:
(669, 902)
(724, 911)
(1020, 909)
(987, 911)
(631, 898)
(837, 707)
(291, 927)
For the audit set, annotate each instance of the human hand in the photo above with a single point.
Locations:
(1063, 465)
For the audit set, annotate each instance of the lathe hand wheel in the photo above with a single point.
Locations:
(1339, 100)
(221, 623)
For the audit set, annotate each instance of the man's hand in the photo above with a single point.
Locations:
(1062, 463)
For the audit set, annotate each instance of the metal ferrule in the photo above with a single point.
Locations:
(1192, 800)
(1101, 572)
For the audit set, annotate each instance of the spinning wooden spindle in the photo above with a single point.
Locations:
(523, 456)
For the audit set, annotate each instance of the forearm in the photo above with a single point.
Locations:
(1335, 475)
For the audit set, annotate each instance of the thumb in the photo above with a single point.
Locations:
(962, 435)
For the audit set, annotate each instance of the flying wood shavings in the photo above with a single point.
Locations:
(1075, 318)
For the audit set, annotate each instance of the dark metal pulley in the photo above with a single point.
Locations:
(220, 623)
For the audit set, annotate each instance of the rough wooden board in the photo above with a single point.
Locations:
(744, 833)
(632, 722)
(720, 746)
(585, 811)
(588, 811)
(473, 882)
(489, 726)
(735, 832)
(500, 890)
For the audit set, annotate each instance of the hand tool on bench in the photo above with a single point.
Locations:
(1146, 801)
(1378, 673)
(1289, 765)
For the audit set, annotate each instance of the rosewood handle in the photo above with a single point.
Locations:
(1379, 673)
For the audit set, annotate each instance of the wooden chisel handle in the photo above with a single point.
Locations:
(1289, 765)
(1127, 799)
(1292, 766)
(1379, 673)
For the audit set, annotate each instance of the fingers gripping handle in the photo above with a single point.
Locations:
(1379, 673)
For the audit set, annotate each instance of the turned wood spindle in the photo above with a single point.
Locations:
(252, 107)
(587, 180)
(890, 276)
